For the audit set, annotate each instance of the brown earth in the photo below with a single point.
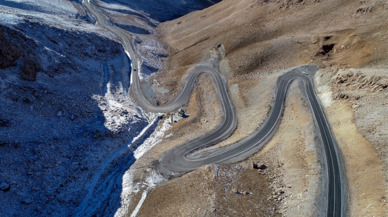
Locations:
(183, 197)
(213, 191)
(260, 38)
(266, 38)
(202, 193)
(204, 114)
(296, 151)
(203, 109)
(361, 133)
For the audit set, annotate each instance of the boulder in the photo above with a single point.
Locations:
(259, 167)
(255, 165)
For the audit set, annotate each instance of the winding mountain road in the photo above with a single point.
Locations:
(179, 159)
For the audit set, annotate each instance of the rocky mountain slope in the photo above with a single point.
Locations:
(64, 108)
(68, 129)
(262, 38)
(71, 139)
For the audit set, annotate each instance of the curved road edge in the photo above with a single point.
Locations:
(178, 159)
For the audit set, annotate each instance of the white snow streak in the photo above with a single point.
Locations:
(143, 197)
(128, 186)
(9, 19)
(58, 7)
(153, 180)
(155, 138)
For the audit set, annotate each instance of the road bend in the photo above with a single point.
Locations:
(180, 160)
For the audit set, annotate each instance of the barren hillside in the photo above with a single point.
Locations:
(74, 143)
(260, 39)
(68, 128)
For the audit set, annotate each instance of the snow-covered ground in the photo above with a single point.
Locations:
(10, 19)
(151, 50)
(57, 7)
(71, 120)
(69, 132)
(153, 178)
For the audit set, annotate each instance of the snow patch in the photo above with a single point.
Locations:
(152, 180)
(9, 19)
(58, 20)
(115, 6)
(53, 6)
(169, 135)
(152, 141)
(143, 197)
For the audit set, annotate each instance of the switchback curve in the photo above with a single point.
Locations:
(178, 160)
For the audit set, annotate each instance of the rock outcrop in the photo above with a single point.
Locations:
(357, 81)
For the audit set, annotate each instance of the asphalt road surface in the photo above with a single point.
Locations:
(180, 160)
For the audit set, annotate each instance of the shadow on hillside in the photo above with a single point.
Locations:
(53, 132)
(164, 10)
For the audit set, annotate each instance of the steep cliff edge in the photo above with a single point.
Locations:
(64, 112)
